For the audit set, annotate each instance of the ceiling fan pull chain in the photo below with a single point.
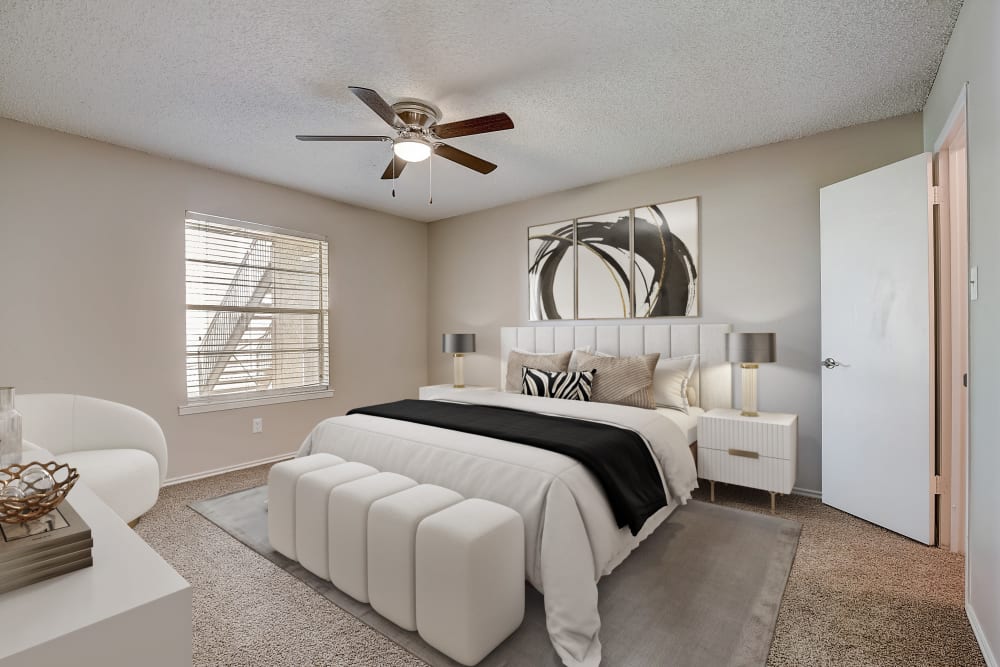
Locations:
(430, 184)
(392, 158)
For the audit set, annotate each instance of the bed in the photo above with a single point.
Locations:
(571, 536)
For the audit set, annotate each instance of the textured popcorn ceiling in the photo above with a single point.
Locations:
(596, 90)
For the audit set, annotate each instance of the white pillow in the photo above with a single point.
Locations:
(670, 382)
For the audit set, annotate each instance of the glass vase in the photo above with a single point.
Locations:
(10, 429)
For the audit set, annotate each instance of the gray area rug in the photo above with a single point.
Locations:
(703, 590)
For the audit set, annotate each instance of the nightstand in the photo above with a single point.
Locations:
(758, 452)
(433, 391)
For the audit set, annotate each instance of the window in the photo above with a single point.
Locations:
(257, 311)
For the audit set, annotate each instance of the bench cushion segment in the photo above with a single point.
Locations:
(281, 481)
(392, 535)
(312, 495)
(469, 578)
(348, 529)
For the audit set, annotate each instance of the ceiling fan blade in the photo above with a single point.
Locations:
(464, 159)
(481, 125)
(399, 162)
(378, 105)
(332, 137)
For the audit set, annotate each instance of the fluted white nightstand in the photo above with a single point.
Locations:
(431, 392)
(758, 452)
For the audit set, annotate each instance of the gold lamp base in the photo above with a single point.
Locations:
(459, 371)
(749, 377)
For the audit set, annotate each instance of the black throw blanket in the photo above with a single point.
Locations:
(617, 457)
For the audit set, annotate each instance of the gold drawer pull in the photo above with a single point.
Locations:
(744, 453)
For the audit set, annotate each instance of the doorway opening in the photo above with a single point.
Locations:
(951, 231)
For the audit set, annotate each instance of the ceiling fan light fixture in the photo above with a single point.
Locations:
(419, 134)
(411, 149)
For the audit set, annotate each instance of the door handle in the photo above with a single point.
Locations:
(830, 362)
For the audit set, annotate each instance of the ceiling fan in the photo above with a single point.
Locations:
(419, 134)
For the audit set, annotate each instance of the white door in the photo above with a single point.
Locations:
(878, 400)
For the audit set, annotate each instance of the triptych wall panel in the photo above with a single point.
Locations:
(640, 262)
(604, 266)
(552, 271)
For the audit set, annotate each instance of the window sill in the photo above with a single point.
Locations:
(236, 404)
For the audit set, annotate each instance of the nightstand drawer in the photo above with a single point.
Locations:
(761, 472)
(768, 436)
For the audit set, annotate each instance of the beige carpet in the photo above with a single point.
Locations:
(860, 595)
(857, 595)
(246, 610)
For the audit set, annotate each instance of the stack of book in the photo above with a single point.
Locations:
(52, 545)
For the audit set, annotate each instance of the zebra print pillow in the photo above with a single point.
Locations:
(574, 386)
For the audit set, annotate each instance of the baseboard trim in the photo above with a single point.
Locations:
(221, 471)
(977, 630)
(807, 492)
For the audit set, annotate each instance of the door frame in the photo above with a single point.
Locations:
(952, 324)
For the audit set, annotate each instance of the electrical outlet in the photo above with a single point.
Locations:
(258, 424)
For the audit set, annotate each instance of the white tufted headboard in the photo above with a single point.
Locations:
(712, 380)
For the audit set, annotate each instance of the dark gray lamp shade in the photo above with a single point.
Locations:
(458, 343)
(751, 348)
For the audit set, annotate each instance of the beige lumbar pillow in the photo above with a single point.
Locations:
(621, 380)
(543, 362)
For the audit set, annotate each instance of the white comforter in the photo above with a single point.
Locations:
(571, 538)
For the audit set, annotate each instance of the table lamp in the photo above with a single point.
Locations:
(750, 350)
(458, 344)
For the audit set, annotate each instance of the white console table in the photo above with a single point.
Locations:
(131, 608)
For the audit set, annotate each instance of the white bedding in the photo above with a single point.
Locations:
(687, 422)
(571, 537)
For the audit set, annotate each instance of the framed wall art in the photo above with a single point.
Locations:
(635, 263)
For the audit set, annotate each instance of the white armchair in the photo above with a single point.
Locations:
(119, 451)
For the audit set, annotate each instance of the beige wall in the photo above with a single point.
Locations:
(759, 256)
(92, 269)
(972, 56)
(92, 236)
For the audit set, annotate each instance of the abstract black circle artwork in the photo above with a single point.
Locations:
(641, 262)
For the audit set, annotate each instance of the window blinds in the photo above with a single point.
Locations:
(257, 310)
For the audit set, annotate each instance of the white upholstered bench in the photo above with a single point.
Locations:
(426, 559)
